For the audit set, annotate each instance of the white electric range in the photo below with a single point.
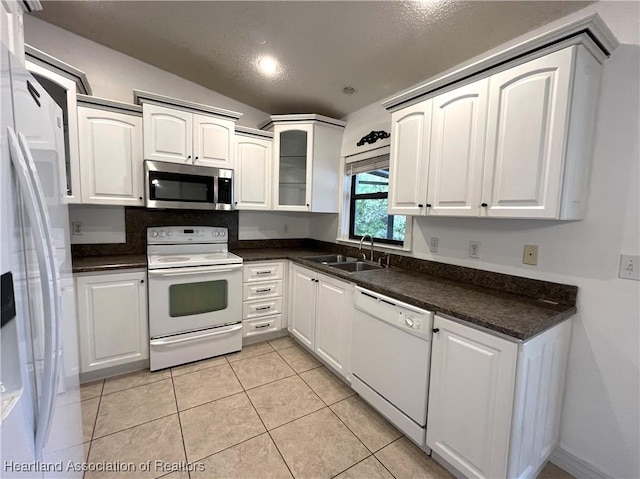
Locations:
(195, 295)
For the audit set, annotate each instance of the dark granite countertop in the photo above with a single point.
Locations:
(515, 315)
(91, 264)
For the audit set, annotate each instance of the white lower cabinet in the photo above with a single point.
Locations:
(321, 309)
(112, 319)
(494, 404)
(262, 298)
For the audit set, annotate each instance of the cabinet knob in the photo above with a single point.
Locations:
(196, 157)
(436, 330)
(484, 205)
(420, 205)
(142, 281)
(188, 157)
(428, 205)
(141, 198)
(235, 202)
(307, 204)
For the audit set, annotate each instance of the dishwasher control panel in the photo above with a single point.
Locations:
(411, 319)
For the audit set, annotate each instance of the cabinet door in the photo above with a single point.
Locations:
(408, 164)
(457, 151)
(253, 173)
(303, 305)
(471, 394)
(112, 320)
(110, 157)
(526, 132)
(293, 149)
(11, 28)
(213, 141)
(333, 322)
(168, 134)
(64, 91)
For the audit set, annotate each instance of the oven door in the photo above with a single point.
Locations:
(190, 299)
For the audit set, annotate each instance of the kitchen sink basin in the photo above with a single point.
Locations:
(355, 266)
(331, 258)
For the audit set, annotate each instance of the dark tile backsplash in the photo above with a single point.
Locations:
(138, 219)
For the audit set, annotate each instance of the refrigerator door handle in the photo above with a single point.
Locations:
(35, 205)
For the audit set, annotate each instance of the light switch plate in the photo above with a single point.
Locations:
(530, 255)
(474, 249)
(629, 267)
(433, 244)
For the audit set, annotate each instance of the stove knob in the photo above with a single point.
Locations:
(169, 233)
(163, 234)
(154, 234)
(215, 233)
(222, 233)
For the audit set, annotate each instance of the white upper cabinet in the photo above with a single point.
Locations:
(185, 134)
(306, 162)
(11, 27)
(516, 144)
(457, 150)
(212, 141)
(168, 134)
(253, 172)
(408, 164)
(526, 137)
(110, 157)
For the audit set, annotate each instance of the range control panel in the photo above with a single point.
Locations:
(186, 234)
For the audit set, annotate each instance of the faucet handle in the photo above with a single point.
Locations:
(363, 256)
(384, 259)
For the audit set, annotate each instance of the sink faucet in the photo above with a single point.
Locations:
(360, 248)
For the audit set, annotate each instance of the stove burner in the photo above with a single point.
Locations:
(172, 259)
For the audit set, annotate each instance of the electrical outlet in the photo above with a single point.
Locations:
(530, 255)
(433, 244)
(474, 249)
(629, 267)
(77, 228)
(286, 228)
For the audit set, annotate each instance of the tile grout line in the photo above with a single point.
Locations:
(95, 423)
(263, 424)
(184, 446)
(382, 463)
(351, 466)
(131, 427)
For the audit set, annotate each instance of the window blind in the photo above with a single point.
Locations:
(370, 164)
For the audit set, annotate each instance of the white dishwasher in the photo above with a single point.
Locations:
(390, 360)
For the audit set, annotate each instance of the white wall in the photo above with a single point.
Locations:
(254, 225)
(114, 75)
(601, 419)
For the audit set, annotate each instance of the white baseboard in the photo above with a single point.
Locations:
(576, 466)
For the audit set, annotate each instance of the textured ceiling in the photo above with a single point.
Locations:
(378, 47)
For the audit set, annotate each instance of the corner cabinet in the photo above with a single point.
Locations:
(112, 319)
(516, 144)
(306, 162)
(320, 316)
(178, 131)
(110, 153)
(253, 169)
(494, 404)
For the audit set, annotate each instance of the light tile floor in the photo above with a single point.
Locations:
(268, 411)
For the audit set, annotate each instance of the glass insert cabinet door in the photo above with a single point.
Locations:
(188, 299)
(293, 155)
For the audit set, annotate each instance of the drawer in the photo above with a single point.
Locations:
(263, 271)
(254, 327)
(263, 307)
(262, 290)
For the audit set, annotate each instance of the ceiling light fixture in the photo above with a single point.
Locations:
(268, 66)
(348, 90)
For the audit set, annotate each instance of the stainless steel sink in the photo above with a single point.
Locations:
(331, 258)
(355, 266)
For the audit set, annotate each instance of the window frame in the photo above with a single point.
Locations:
(353, 197)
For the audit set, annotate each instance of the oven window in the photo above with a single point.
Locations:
(165, 186)
(197, 298)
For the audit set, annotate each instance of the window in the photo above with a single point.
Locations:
(368, 208)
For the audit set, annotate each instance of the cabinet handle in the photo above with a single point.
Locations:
(263, 308)
(263, 272)
(436, 330)
(266, 290)
(264, 325)
(484, 205)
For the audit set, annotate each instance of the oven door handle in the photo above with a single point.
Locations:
(168, 342)
(191, 271)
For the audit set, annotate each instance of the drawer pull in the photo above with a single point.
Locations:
(264, 290)
(264, 272)
(263, 325)
(263, 308)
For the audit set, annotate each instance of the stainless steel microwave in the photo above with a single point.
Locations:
(172, 185)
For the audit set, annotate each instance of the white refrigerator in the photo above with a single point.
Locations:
(41, 428)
